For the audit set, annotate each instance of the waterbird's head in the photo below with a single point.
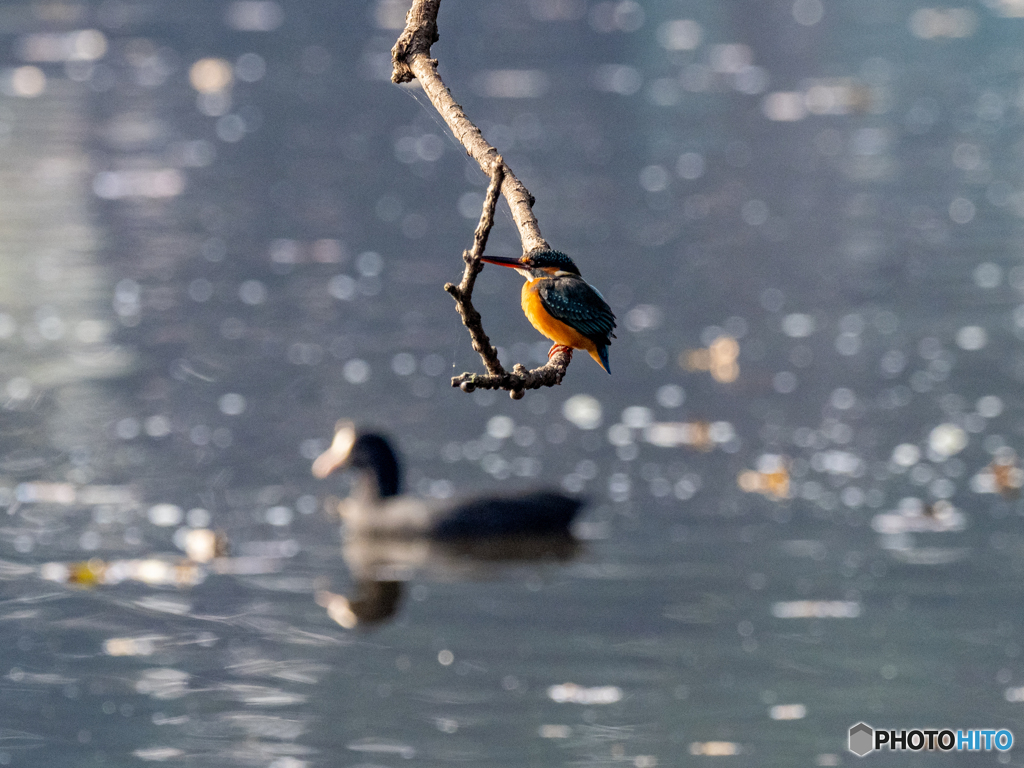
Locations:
(539, 262)
(365, 451)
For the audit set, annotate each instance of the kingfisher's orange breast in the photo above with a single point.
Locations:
(556, 330)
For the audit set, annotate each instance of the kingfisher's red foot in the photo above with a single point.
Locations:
(555, 348)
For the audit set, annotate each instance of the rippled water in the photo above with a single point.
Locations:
(223, 230)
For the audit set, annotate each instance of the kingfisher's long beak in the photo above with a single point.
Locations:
(504, 261)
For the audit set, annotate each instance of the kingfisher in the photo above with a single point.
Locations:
(560, 304)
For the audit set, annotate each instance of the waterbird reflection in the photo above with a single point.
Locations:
(374, 601)
(380, 564)
(390, 537)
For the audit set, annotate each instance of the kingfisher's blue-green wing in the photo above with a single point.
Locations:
(576, 303)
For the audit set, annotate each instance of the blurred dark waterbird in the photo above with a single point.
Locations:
(561, 304)
(377, 507)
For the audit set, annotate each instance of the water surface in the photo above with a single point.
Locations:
(224, 229)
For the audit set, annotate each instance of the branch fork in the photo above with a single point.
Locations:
(411, 59)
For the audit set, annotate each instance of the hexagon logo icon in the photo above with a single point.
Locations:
(861, 739)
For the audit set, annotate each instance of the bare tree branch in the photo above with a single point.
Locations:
(411, 59)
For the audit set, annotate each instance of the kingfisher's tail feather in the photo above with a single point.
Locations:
(600, 356)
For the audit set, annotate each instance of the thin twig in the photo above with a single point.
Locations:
(463, 292)
(411, 59)
(497, 377)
